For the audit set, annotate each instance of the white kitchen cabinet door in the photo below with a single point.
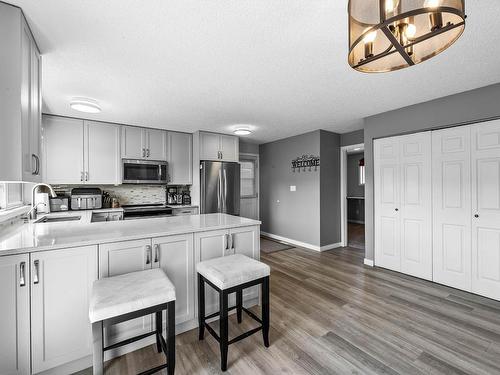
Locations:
(415, 207)
(387, 203)
(452, 207)
(102, 153)
(116, 259)
(230, 148)
(35, 114)
(62, 150)
(209, 146)
(246, 241)
(180, 158)
(15, 313)
(156, 144)
(61, 284)
(208, 245)
(175, 255)
(133, 143)
(485, 156)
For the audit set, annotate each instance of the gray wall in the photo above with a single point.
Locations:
(248, 147)
(330, 188)
(353, 138)
(296, 216)
(467, 107)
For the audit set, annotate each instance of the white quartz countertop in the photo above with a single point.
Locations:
(32, 237)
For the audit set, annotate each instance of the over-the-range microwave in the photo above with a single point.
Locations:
(144, 171)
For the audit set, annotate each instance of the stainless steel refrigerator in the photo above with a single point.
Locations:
(220, 187)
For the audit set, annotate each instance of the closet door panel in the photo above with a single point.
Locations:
(452, 207)
(416, 205)
(387, 221)
(486, 209)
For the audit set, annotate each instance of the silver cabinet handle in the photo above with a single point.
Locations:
(22, 274)
(143, 152)
(86, 176)
(147, 152)
(226, 242)
(36, 263)
(148, 254)
(157, 253)
(81, 176)
(232, 241)
(37, 164)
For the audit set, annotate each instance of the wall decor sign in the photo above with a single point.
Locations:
(305, 161)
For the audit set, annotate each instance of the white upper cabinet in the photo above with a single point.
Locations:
(20, 99)
(80, 152)
(133, 143)
(102, 153)
(180, 158)
(142, 143)
(15, 313)
(219, 147)
(62, 150)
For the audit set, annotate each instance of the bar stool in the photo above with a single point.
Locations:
(132, 295)
(232, 274)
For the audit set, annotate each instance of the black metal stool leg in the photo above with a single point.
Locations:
(159, 329)
(265, 311)
(170, 338)
(223, 329)
(239, 304)
(201, 307)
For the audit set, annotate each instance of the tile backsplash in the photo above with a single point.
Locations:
(127, 194)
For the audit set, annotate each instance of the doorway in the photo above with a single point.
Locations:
(249, 203)
(353, 196)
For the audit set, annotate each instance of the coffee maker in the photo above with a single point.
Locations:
(172, 195)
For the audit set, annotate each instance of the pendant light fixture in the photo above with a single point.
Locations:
(387, 35)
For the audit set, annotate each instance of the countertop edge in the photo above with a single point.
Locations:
(29, 250)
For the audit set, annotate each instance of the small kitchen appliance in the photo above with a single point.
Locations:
(86, 198)
(145, 211)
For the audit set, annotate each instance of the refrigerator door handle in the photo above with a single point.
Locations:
(224, 197)
(219, 192)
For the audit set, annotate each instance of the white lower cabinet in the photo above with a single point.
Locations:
(118, 258)
(219, 243)
(15, 313)
(61, 284)
(175, 256)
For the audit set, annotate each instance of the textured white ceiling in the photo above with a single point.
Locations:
(279, 65)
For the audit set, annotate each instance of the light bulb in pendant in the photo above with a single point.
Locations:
(370, 37)
(431, 3)
(411, 31)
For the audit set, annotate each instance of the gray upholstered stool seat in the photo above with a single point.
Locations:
(120, 298)
(232, 270)
(119, 295)
(226, 275)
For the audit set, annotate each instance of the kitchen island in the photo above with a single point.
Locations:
(47, 270)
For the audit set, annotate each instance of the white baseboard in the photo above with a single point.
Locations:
(302, 244)
(368, 262)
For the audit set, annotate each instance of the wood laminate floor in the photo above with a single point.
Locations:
(330, 314)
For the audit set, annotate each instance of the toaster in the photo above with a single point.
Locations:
(86, 198)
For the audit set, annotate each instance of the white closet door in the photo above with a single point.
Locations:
(485, 156)
(416, 205)
(387, 221)
(452, 207)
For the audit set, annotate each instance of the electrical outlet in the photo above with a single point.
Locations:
(293, 188)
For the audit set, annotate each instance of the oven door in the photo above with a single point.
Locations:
(144, 172)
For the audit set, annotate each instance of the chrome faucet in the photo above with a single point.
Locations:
(32, 213)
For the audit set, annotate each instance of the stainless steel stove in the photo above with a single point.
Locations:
(143, 211)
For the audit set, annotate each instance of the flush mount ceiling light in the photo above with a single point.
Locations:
(387, 35)
(85, 105)
(242, 131)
